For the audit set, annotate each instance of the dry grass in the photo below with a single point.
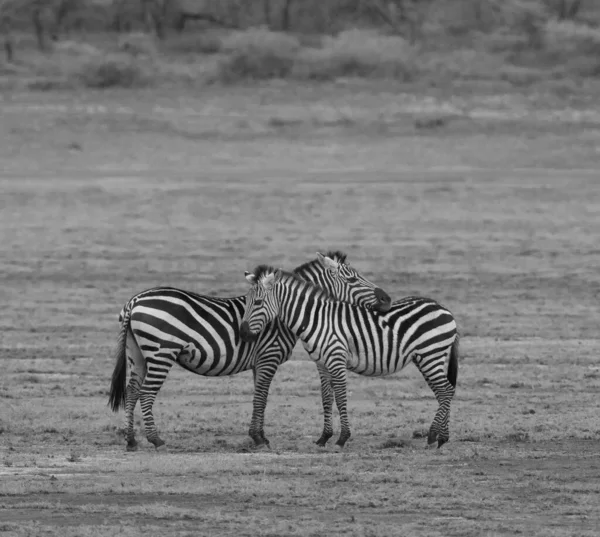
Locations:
(511, 253)
(106, 194)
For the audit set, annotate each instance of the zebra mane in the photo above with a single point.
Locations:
(312, 290)
(308, 288)
(263, 270)
(336, 255)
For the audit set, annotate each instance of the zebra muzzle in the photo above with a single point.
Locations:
(384, 301)
(246, 334)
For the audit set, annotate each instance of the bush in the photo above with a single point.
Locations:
(359, 53)
(250, 65)
(504, 40)
(138, 44)
(261, 40)
(111, 71)
(258, 54)
(195, 43)
(570, 38)
(76, 48)
(463, 64)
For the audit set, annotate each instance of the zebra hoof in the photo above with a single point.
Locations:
(441, 442)
(263, 447)
(132, 447)
(162, 448)
(338, 449)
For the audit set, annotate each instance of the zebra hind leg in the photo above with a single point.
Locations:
(137, 375)
(158, 369)
(433, 370)
(439, 430)
(327, 399)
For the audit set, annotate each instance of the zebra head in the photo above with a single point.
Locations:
(333, 273)
(261, 304)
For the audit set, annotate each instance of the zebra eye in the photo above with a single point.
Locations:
(352, 279)
(258, 302)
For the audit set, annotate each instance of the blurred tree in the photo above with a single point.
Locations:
(182, 11)
(403, 16)
(6, 30)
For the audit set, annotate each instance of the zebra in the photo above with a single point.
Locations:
(165, 325)
(340, 336)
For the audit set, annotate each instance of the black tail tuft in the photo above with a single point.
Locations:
(453, 363)
(118, 389)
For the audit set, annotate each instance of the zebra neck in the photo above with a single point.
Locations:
(300, 313)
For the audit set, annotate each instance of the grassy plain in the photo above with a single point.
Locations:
(494, 212)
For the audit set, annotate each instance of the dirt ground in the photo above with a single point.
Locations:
(104, 195)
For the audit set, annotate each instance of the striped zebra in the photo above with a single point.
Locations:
(164, 326)
(340, 336)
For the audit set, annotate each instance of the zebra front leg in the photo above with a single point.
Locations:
(137, 375)
(262, 381)
(158, 370)
(337, 370)
(327, 400)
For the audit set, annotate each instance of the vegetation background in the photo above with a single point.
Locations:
(451, 147)
(436, 42)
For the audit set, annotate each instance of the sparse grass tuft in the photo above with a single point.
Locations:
(395, 443)
(519, 436)
(74, 456)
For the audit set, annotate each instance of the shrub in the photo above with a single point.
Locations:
(570, 38)
(111, 70)
(76, 48)
(359, 53)
(260, 40)
(520, 76)
(195, 43)
(465, 64)
(258, 54)
(138, 44)
(504, 40)
(242, 65)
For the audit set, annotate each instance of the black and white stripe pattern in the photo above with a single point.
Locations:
(163, 326)
(340, 336)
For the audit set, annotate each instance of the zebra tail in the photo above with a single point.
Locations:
(116, 398)
(453, 363)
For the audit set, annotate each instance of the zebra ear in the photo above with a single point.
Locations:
(250, 278)
(278, 274)
(327, 262)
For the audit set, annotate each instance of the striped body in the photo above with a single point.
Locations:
(340, 336)
(171, 323)
(164, 326)
(379, 344)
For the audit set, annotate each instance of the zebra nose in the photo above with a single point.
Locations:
(384, 299)
(245, 333)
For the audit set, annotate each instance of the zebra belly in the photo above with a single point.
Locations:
(211, 365)
(370, 365)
